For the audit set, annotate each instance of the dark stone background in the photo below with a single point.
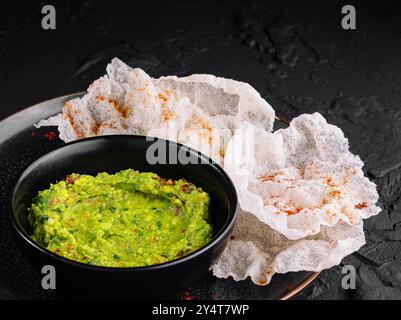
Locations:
(294, 53)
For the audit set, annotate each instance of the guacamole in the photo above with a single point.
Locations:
(127, 219)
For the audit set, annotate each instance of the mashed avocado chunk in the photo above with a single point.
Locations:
(127, 219)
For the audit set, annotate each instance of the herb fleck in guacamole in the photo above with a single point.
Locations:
(123, 220)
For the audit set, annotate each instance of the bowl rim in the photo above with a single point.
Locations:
(217, 238)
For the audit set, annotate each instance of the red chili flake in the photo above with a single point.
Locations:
(335, 194)
(329, 181)
(270, 177)
(186, 187)
(162, 97)
(187, 296)
(96, 128)
(119, 108)
(167, 115)
(50, 135)
(70, 118)
(70, 179)
(165, 182)
(261, 282)
(177, 211)
(361, 205)
(33, 134)
(292, 212)
(267, 177)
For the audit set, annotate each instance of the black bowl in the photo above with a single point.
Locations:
(112, 154)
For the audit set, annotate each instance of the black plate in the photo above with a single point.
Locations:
(21, 144)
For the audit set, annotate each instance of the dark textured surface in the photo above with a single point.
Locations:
(295, 53)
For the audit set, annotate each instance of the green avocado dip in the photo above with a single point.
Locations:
(127, 219)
